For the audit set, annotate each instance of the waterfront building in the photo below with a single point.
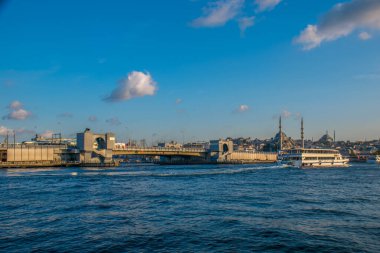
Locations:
(197, 145)
(171, 144)
(35, 155)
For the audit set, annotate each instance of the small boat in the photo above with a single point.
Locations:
(374, 159)
(312, 158)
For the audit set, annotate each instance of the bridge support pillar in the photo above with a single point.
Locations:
(221, 150)
(95, 148)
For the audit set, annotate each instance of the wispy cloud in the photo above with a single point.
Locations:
(21, 131)
(181, 111)
(17, 112)
(370, 76)
(286, 114)
(218, 13)
(297, 116)
(4, 131)
(364, 36)
(14, 75)
(65, 115)
(178, 101)
(113, 121)
(245, 23)
(341, 21)
(92, 118)
(8, 83)
(137, 84)
(265, 5)
(11, 78)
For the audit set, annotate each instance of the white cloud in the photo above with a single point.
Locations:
(219, 13)
(47, 134)
(4, 131)
(245, 23)
(341, 21)
(19, 114)
(309, 37)
(137, 84)
(16, 112)
(364, 36)
(264, 5)
(15, 105)
(178, 101)
(242, 108)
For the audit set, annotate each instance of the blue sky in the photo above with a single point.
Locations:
(192, 69)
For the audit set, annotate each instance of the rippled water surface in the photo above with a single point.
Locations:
(210, 208)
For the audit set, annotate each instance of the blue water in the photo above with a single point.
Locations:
(210, 208)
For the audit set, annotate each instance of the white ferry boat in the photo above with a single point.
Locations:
(373, 159)
(309, 157)
(304, 158)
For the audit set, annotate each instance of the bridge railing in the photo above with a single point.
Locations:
(158, 149)
(33, 145)
(255, 152)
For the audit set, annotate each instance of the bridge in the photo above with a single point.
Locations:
(157, 151)
(101, 148)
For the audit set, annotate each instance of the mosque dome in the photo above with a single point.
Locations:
(326, 139)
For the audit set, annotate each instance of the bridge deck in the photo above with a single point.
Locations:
(160, 151)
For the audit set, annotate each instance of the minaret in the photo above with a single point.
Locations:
(334, 136)
(302, 134)
(280, 132)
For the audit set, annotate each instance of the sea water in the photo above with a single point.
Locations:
(202, 208)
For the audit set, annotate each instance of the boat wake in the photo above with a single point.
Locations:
(189, 173)
(167, 172)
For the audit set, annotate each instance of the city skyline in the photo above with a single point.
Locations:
(193, 70)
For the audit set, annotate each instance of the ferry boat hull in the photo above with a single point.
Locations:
(312, 158)
(299, 164)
